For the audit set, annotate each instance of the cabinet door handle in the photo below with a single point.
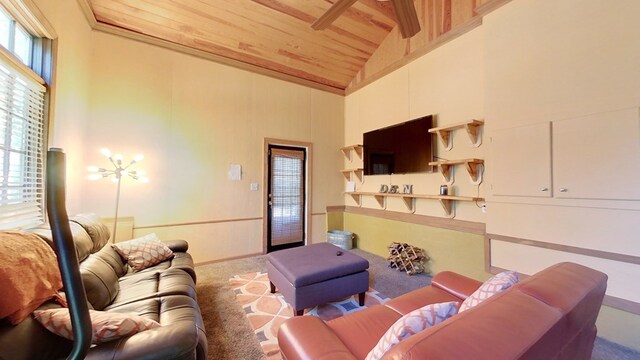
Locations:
(563, 189)
(544, 189)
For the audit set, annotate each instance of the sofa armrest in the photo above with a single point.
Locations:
(308, 337)
(177, 245)
(458, 285)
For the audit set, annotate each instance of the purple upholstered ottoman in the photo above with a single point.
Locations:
(312, 275)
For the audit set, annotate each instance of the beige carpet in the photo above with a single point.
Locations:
(266, 311)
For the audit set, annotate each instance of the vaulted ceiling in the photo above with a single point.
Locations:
(276, 35)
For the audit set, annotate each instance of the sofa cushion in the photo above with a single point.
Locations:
(98, 231)
(143, 252)
(140, 286)
(361, 330)
(181, 336)
(106, 326)
(100, 275)
(29, 274)
(81, 240)
(411, 324)
(494, 285)
(418, 298)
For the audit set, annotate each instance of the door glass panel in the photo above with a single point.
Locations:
(287, 196)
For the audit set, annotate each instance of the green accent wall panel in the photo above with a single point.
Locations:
(451, 250)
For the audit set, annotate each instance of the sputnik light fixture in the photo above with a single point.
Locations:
(116, 173)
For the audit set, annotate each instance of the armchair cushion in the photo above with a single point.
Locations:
(412, 323)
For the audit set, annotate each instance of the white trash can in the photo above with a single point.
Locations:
(342, 239)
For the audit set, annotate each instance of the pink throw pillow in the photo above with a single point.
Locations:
(412, 323)
(143, 252)
(494, 285)
(106, 326)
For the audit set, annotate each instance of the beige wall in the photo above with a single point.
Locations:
(582, 62)
(71, 90)
(448, 83)
(191, 118)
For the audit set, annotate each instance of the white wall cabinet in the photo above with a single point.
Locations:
(598, 156)
(592, 157)
(522, 161)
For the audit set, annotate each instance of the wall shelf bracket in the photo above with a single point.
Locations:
(444, 167)
(348, 150)
(470, 126)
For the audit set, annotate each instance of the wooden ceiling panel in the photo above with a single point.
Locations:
(275, 37)
(273, 34)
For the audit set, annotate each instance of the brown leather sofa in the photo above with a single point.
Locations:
(550, 315)
(164, 292)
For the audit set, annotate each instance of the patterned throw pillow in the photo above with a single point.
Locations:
(495, 285)
(412, 323)
(143, 252)
(106, 326)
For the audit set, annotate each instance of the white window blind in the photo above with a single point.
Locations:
(22, 126)
(287, 196)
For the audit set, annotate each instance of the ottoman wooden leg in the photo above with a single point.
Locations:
(272, 287)
(299, 312)
(361, 298)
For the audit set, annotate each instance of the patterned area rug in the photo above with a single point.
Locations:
(267, 311)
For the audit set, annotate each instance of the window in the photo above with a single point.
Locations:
(15, 39)
(22, 131)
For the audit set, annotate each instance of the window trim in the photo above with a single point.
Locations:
(40, 73)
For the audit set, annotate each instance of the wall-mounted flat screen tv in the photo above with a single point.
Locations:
(399, 149)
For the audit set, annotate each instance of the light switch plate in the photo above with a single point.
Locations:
(254, 186)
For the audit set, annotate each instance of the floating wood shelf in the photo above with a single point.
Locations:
(409, 199)
(347, 150)
(347, 173)
(470, 164)
(471, 126)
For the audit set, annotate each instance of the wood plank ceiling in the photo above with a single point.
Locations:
(272, 34)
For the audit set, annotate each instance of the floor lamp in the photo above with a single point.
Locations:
(116, 173)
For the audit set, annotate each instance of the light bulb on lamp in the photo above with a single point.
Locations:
(116, 173)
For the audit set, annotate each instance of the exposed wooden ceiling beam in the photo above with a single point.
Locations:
(408, 22)
(332, 14)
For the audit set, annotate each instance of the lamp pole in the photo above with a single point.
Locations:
(115, 218)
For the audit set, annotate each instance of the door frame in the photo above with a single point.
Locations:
(265, 188)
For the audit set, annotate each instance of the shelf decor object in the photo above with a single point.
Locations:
(472, 130)
(116, 173)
